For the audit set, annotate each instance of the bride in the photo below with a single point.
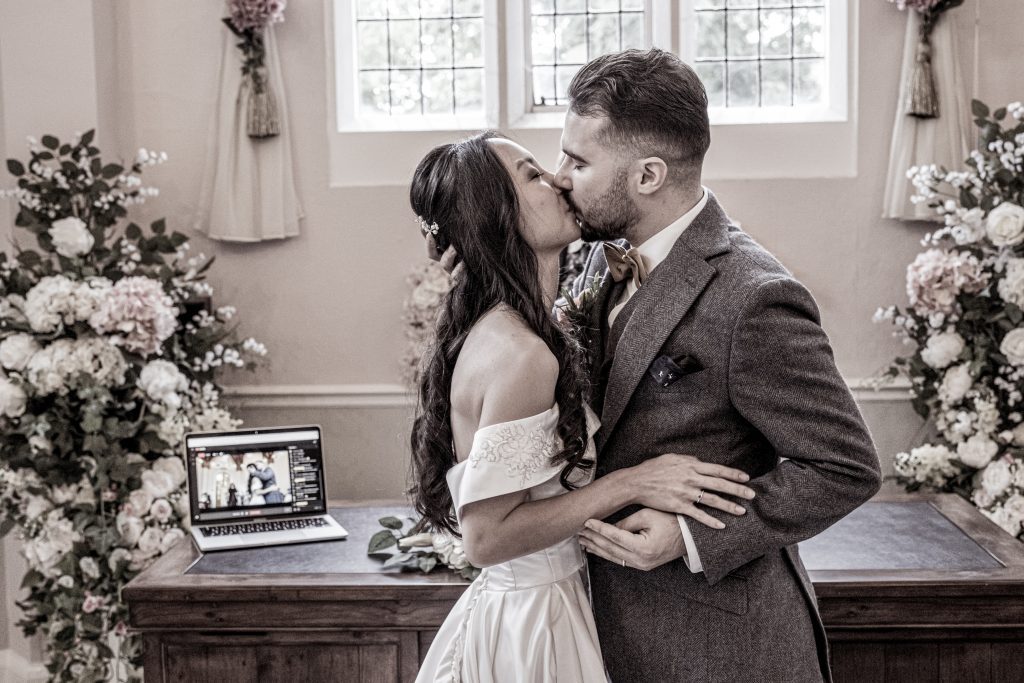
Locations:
(502, 444)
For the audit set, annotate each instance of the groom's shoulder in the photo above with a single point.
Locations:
(748, 262)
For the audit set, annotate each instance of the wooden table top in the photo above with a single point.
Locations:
(936, 543)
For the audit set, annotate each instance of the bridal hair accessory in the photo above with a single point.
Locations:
(427, 227)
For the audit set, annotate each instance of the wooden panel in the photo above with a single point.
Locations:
(965, 662)
(1007, 662)
(210, 664)
(426, 638)
(378, 664)
(858, 662)
(911, 663)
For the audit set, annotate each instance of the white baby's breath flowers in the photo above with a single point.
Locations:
(926, 464)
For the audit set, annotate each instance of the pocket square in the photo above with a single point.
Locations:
(665, 370)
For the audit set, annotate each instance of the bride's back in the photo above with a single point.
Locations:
(503, 359)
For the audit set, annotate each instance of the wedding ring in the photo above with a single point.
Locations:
(697, 502)
(623, 562)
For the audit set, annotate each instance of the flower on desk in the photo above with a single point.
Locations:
(418, 549)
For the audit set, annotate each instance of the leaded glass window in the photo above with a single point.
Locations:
(566, 34)
(761, 53)
(419, 57)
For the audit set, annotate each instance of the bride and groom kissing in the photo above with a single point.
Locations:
(701, 434)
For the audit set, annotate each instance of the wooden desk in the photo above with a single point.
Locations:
(911, 588)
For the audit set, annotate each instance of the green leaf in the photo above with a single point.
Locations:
(999, 114)
(50, 142)
(133, 232)
(397, 560)
(979, 109)
(15, 167)
(427, 563)
(111, 171)
(31, 578)
(87, 137)
(158, 226)
(380, 541)
(391, 522)
(379, 555)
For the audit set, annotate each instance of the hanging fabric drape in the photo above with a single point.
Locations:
(248, 191)
(917, 141)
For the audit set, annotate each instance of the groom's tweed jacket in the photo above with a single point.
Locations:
(770, 401)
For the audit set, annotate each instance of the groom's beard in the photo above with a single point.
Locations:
(611, 216)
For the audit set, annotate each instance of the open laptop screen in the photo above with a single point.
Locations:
(255, 473)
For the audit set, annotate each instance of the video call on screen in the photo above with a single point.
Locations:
(276, 474)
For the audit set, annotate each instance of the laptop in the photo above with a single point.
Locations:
(250, 488)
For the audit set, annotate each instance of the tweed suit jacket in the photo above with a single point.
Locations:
(765, 397)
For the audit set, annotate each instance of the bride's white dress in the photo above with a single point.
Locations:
(529, 619)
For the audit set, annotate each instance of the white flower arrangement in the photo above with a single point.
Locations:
(966, 322)
(428, 285)
(109, 350)
(419, 548)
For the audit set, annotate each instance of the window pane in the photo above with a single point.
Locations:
(604, 33)
(435, 8)
(712, 74)
(572, 5)
(370, 8)
(403, 9)
(542, 6)
(405, 92)
(373, 93)
(775, 83)
(742, 84)
(603, 5)
(544, 90)
(405, 42)
(710, 35)
(469, 90)
(469, 8)
(709, 4)
(373, 44)
(775, 32)
(436, 42)
(565, 74)
(633, 4)
(742, 33)
(741, 3)
(437, 91)
(809, 32)
(543, 38)
(632, 29)
(809, 81)
(469, 42)
(571, 38)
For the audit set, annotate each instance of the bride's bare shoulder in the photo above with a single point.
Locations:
(504, 370)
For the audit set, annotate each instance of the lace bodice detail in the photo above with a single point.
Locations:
(515, 456)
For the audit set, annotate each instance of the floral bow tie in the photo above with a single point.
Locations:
(622, 263)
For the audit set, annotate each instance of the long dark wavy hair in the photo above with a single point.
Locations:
(465, 188)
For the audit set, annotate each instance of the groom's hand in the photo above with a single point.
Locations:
(645, 540)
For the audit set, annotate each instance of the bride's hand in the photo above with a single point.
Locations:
(674, 483)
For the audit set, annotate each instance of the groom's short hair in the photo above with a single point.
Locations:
(654, 103)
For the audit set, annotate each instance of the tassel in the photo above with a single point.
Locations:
(263, 119)
(923, 102)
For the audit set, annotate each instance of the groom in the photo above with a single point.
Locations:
(706, 346)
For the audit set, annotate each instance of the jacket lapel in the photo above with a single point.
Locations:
(668, 293)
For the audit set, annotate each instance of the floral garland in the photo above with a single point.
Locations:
(109, 353)
(966, 320)
(249, 20)
(428, 284)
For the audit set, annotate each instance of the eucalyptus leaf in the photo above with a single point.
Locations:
(381, 540)
(391, 522)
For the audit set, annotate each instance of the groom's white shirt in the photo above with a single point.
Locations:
(653, 252)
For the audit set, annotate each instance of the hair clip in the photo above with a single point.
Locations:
(432, 228)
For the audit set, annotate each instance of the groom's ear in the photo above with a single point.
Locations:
(653, 175)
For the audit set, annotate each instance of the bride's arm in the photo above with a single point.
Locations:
(504, 527)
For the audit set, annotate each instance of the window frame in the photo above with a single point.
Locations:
(755, 143)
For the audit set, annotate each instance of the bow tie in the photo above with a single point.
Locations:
(622, 263)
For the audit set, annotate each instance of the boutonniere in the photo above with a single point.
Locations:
(576, 314)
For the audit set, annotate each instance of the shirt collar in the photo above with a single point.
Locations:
(657, 247)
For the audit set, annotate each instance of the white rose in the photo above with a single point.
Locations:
(36, 506)
(1013, 509)
(140, 500)
(942, 349)
(163, 382)
(982, 498)
(161, 509)
(130, 527)
(149, 542)
(89, 567)
(955, 384)
(66, 581)
(12, 398)
(64, 493)
(118, 556)
(173, 466)
(996, 477)
(158, 484)
(171, 537)
(977, 451)
(422, 540)
(16, 350)
(1013, 346)
(71, 237)
(140, 558)
(1005, 226)
(1011, 286)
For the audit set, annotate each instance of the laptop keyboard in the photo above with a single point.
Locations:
(260, 527)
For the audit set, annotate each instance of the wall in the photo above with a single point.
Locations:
(328, 303)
